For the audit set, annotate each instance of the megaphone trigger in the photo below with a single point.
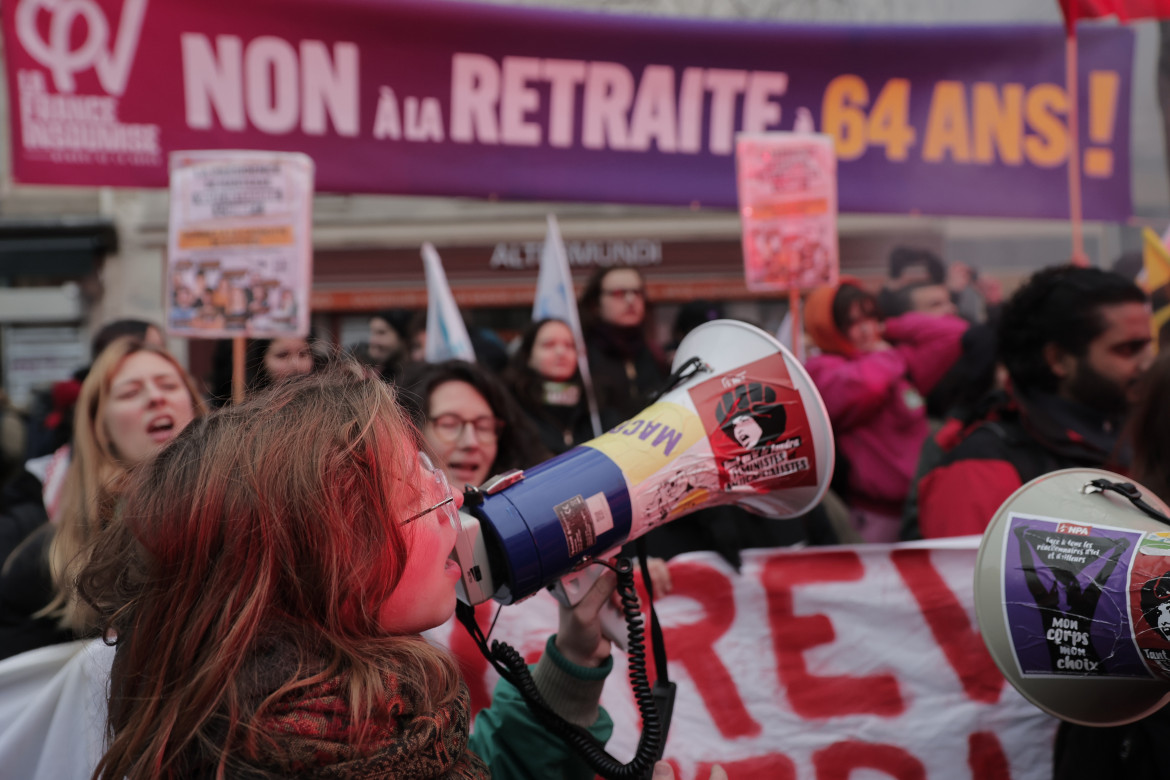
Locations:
(571, 589)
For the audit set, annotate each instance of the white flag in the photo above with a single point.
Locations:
(555, 298)
(446, 334)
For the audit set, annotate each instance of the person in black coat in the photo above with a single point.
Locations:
(543, 374)
(626, 365)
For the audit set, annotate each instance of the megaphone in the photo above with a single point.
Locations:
(1072, 595)
(746, 426)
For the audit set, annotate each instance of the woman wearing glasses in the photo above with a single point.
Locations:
(470, 421)
(266, 588)
(626, 365)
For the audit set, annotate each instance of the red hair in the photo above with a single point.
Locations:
(277, 517)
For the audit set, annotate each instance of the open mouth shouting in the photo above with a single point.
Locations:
(161, 429)
(467, 471)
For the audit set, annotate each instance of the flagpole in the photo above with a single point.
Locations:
(239, 347)
(794, 305)
(590, 393)
(1074, 153)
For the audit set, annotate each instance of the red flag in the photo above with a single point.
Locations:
(1124, 10)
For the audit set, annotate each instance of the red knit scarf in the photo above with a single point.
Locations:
(311, 735)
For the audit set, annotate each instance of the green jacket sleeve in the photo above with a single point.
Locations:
(516, 746)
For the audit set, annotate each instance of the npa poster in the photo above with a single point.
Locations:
(1149, 602)
(239, 258)
(1065, 592)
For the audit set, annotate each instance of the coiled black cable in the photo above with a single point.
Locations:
(511, 666)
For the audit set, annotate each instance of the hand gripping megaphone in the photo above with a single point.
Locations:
(745, 425)
(1072, 595)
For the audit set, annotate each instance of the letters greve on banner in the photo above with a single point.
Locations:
(816, 665)
(483, 100)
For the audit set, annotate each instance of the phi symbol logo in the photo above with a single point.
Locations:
(56, 52)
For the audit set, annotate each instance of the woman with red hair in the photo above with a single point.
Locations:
(266, 589)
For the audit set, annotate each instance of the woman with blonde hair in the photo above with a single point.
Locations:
(134, 400)
(267, 584)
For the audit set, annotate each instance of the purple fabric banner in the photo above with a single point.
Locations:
(438, 98)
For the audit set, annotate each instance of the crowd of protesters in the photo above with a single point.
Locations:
(943, 399)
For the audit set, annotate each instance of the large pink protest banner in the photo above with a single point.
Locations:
(432, 97)
(815, 665)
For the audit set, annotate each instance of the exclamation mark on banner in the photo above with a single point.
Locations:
(1102, 109)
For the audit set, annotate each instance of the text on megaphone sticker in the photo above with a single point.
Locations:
(583, 520)
(1064, 596)
(650, 440)
(1149, 603)
(757, 426)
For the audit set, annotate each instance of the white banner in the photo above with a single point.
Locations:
(239, 250)
(843, 662)
(53, 711)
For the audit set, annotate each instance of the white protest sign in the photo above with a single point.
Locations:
(239, 249)
(788, 210)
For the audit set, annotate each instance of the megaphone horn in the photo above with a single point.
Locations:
(748, 428)
(1072, 594)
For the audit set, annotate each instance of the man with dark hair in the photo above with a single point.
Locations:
(917, 283)
(1075, 343)
(922, 296)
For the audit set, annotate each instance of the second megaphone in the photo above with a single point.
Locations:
(1072, 593)
(745, 425)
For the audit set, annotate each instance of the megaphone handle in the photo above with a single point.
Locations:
(513, 668)
(1129, 491)
(570, 589)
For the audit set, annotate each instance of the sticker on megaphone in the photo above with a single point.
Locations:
(1064, 587)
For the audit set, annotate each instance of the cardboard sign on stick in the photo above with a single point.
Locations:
(239, 249)
(788, 208)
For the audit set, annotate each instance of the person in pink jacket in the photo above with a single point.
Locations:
(873, 376)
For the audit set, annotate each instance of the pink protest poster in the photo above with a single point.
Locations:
(788, 208)
(239, 259)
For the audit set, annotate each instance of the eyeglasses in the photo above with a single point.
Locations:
(439, 479)
(624, 293)
(449, 427)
